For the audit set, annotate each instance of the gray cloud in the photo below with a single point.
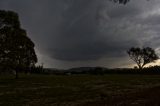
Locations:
(87, 32)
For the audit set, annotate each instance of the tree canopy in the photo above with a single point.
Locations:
(16, 49)
(142, 56)
(121, 1)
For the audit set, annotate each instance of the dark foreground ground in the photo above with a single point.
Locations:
(145, 97)
(80, 90)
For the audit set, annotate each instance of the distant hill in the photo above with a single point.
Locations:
(79, 69)
(101, 70)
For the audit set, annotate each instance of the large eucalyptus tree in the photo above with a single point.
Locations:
(16, 48)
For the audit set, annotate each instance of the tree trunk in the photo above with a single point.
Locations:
(16, 74)
(140, 67)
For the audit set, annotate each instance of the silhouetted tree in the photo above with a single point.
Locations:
(121, 1)
(142, 56)
(16, 49)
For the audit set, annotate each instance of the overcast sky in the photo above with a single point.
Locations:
(71, 33)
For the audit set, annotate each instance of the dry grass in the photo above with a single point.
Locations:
(79, 90)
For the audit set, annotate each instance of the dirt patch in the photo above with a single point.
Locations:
(144, 97)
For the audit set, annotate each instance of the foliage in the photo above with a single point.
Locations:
(121, 1)
(16, 49)
(142, 56)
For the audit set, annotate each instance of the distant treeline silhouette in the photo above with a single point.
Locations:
(86, 70)
(102, 71)
(96, 71)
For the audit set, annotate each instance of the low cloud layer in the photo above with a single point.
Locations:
(70, 33)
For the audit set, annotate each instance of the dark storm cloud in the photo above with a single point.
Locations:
(81, 37)
(87, 30)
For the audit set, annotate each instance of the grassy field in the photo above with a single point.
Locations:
(73, 90)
